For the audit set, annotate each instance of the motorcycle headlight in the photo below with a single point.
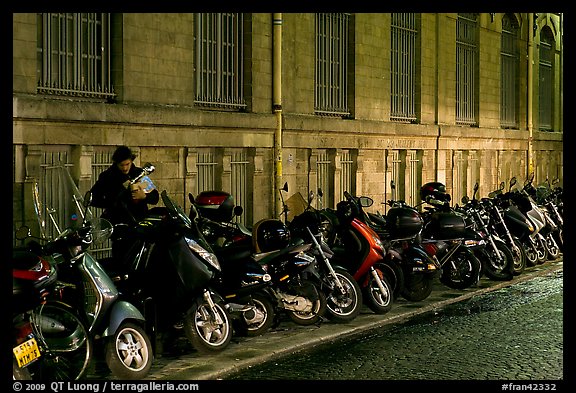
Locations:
(203, 253)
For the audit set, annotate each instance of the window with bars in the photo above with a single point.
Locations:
(239, 178)
(466, 68)
(206, 166)
(74, 54)
(325, 177)
(219, 60)
(347, 173)
(509, 58)
(403, 67)
(331, 79)
(546, 79)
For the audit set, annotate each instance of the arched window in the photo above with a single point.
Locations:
(509, 62)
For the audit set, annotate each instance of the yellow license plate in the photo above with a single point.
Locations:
(26, 352)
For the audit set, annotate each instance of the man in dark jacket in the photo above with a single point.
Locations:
(122, 203)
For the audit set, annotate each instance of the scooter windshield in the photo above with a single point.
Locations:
(58, 203)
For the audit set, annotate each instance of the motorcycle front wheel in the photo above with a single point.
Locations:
(519, 257)
(498, 264)
(552, 247)
(377, 292)
(208, 330)
(344, 307)
(129, 352)
(461, 271)
(417, 287)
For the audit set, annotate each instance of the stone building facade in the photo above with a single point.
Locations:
(153, 105)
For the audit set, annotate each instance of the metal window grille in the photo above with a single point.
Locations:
(458, 175)
(74, 54)
(473, 172)
(546, 80)
(331, 92)
(239, 187)
(509, 74)
(347, 174)
(403, 67)
(413, 172)
(466, 68)
(219, 60)
(101, 160)
(395, 162)
(323, 177)
(206, 165)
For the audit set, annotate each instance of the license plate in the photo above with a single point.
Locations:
(26, 352)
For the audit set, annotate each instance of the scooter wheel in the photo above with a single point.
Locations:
(129, 353)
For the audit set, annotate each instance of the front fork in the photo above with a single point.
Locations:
(376, 278)
(212, 306)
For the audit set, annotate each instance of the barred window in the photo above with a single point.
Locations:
(74, 54)
(466, 68)
(509, 58)
(546, 80)
(219, 60)
(331, 79)
(403, 67)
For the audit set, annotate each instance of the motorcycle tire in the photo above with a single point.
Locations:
(257, 321)
(559, 237)
(530, 252)
(494, 269)
(541, 249)
(417, 287)
(20, 373)
(318, 308)
(466, 272)
(344, 307)
(378, 302)
(206, 334)
(519, 257)
(552, 247)
(129, 352)
(68, 349)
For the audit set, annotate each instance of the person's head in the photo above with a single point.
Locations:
(123, 158)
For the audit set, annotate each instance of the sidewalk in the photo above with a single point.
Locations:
(289, 337)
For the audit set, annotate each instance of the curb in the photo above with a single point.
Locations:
(290, 338)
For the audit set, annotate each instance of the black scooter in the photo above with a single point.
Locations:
(169, 271)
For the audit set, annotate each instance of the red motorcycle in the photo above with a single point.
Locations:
(50, 341)
(359, 249)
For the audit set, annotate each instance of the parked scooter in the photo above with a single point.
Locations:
(550, 227)
(497, 259)
(168, 272)
(86, 286)
(400, 231)
(268, 245)
(242, 282)
(343, 293)
(50, 341)
(526, 221)
(447, 237)
(359, 249)
(497, 224)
